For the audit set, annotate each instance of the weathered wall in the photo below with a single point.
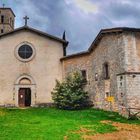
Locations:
(128, 91)
(77, 64)
(109, 49)
(137, 51)
(131, 61)
(133, 90)
(44, 68)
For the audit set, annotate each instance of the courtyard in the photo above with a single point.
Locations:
(53, 124)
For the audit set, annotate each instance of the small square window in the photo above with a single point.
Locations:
(107, 94)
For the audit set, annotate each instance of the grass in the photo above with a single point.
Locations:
(53, 124)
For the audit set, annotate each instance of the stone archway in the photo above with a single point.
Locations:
(22, 96)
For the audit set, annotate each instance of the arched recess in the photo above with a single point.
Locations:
(28, 77)
(24, 82)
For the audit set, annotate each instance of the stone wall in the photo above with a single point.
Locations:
(122, 53)
(128, 91)
(110, 50)
(131, 61)
(133, 90)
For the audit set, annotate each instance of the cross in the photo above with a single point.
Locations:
(26, 19)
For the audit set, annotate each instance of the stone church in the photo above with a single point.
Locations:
(31, 61)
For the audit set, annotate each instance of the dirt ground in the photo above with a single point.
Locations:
(125, 132)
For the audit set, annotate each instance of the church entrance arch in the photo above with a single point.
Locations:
(24, 97)
(25, 91)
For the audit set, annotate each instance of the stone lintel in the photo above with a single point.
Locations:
(128, 73)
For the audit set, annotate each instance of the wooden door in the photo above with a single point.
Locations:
(28, 97)
(21, 97)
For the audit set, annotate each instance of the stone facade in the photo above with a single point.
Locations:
(120, 51)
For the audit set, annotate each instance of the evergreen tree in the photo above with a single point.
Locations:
(70, 93)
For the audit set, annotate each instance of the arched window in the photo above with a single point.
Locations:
(106, 70)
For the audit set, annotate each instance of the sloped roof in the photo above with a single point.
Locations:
(98, 37)
(8, 9)
(37, 32)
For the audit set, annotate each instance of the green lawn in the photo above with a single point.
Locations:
(53, 124)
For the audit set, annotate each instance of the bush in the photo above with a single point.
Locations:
(70, 94)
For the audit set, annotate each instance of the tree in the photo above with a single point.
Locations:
(70, 93)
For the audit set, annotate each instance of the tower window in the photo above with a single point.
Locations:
(12, 23)
(2, 31)
(106, 70)
(10, 20)
(2, 19)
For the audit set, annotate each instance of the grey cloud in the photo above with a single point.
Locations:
(55, 16)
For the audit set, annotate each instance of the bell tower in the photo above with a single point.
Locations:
(7, 20)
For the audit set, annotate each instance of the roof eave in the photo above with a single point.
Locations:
(9, 9)
(38, 32)
(97, 39)
(75, 55)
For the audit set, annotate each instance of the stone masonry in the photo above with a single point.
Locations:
(120, 49)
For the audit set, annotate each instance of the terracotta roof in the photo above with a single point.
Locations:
(8, 9)
(37, 32)
(98, 37)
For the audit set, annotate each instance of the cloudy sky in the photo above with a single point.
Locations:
(81, 19)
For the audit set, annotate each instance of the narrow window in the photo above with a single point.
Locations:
(2, 31)
(84, 75)
(10, 20)
(106, 70)
(12, 23)
(2, 19)
(121, 77)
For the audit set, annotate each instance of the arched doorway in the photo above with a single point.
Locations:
(24, 97)
(25, 91)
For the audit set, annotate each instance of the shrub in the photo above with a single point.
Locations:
(70, 93)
